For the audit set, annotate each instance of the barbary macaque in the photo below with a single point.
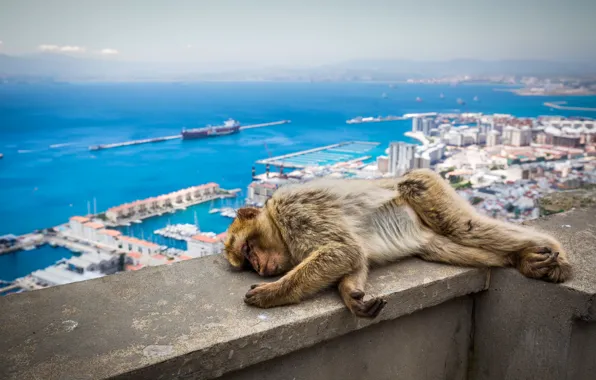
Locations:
(326, 232)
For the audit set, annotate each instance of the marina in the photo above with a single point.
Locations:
(190, 134)
(326, 155)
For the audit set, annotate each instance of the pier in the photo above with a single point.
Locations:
(167, 138)
(265, 124)
(134, 142)
(326, 155)
(562, 106)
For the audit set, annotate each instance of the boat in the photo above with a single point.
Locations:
(137, 221)
(460, 101)
(384, 96)
(475, 98)
(418, 99)
(229, 127)
(442, 96)
(96, 147)
(1, 155)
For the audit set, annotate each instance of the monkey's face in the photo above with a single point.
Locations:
(251, 245)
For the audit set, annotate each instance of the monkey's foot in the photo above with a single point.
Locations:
(365, 309)
(266, 295)
(544, 263)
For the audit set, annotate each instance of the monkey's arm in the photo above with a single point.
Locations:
(323, 267)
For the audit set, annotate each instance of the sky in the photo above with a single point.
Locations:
(303, 32)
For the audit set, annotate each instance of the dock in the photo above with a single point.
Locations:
(265, 124)
(326, 155)
(134, 142)
(167, 138)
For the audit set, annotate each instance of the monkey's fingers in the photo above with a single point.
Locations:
(370, 308)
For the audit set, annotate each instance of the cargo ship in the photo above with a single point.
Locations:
(229, 127)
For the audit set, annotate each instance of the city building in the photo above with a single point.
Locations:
(401, 157)
(129, 244)
(76, 224)
(108, 237)
(91, 230)
(521, 136)
(383, 164)
(427, 125)
(205, 245)
(416, 124)
(493, 138)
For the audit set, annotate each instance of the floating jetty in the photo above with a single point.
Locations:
(325, 155)
(167, 138)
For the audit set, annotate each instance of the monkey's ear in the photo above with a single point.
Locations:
(246, 213)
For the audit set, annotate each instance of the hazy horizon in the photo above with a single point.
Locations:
(300, 33)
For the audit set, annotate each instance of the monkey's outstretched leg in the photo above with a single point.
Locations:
(440, 208)
(324, 267)
(351, 290)
(442, 249)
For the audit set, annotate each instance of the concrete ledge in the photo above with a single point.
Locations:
(188, 320)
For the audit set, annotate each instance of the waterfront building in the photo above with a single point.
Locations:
(206, 245)
(416, 124)
(130, 244)
(401, 157)
(91, 230)
(383, 164)
(259, 192)
(76, 225)
(427, 125)
(108, 237)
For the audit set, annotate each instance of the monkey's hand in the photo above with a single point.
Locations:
(364, 309)
(266, 295)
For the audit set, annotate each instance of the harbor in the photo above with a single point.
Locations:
(208, 131)
(348, 151)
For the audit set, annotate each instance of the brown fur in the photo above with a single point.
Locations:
(329, 231)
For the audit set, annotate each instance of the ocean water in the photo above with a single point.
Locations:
(48, 174)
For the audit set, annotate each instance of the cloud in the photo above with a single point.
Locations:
(74, 49)
(187, 46)
(63, 49)
(109, 52)
(49, 47)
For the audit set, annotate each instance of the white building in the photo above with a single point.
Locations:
(521, 137)
(416, 124)
(109, 237)
(130, 244)
(206, 245)
(508, 135)
(493, 138)
(401, 157)
(383, 164)
(427, 125)
(76, 225)
(91, 229)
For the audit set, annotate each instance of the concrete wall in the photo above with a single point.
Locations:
(187, 320)
(430, 344)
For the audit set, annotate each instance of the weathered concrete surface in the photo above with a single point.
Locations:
(528, 329)
(429, 344)
(188, 320)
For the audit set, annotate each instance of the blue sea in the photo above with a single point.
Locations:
(48, 174)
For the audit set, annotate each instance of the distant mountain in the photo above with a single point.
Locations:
(61, 67)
